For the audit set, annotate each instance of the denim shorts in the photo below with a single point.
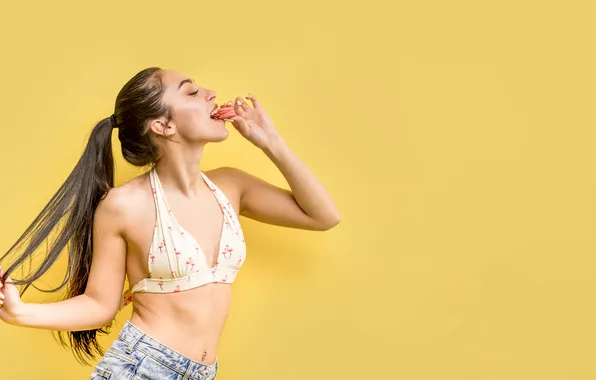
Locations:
(134, 355)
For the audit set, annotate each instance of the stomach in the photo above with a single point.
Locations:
(190, 322)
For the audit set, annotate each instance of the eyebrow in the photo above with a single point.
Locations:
(185, 81)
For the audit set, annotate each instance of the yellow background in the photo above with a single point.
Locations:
(455, 136)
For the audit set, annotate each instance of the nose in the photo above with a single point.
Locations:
(211, 95)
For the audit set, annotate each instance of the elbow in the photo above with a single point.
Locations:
(94, 322)
(330, 222)
(109, 315)
(101, 315)
(106, 320)
(101, 320)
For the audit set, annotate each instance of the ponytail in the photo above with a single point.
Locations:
(69, 215)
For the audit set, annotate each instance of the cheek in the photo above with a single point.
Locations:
(191, 121)
(201, 128)
(189, 114)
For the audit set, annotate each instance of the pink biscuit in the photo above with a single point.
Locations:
(225, 113)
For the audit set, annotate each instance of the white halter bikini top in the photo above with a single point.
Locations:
(176, 261)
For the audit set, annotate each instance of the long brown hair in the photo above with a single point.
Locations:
(69, 213)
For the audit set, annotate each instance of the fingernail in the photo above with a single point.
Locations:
(238, 102)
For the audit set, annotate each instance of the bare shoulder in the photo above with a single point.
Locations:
(225, 174)
(229, 180)
(120, 202)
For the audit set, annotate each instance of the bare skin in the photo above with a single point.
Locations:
(190, 322)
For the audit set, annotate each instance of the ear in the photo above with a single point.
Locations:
(161, 127)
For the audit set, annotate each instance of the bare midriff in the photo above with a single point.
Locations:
(189, 322)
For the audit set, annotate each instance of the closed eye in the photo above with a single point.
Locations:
(194, 93)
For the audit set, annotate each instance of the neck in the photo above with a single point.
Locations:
(181, 169)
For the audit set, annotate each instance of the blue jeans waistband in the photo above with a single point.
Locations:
(167, 356)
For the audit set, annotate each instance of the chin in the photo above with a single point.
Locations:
(224, 136)
(219, 132)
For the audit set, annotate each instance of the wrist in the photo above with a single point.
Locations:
(20, 315)
(275, 147)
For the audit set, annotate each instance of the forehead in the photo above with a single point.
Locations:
(172, 79)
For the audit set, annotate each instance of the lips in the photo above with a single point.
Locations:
(224, 112)
(213, 111)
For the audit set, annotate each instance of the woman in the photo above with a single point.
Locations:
(173, 231)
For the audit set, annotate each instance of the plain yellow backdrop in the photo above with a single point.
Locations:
(455, 136)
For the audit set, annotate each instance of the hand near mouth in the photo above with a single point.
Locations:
(252, 123)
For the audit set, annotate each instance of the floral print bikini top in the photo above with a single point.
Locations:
(176, 261)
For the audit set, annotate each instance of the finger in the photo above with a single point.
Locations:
(237, 119)
(4, 279)
(240, 124)
(3, 275)
(236, 126)
(240, 111)
(253, 100)
(229, 119)
(240, 102)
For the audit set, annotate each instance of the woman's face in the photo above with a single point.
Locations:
(191, 108)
